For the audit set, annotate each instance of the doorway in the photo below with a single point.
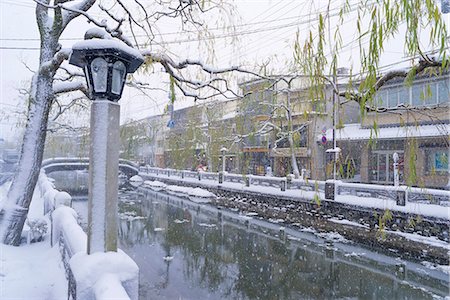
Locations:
(382, 166)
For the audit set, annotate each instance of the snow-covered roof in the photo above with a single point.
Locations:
(355, 132)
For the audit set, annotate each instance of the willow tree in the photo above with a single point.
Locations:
(378, 22)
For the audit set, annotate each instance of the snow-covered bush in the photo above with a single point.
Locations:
(38, 228)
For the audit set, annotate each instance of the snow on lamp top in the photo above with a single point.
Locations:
(105, 47)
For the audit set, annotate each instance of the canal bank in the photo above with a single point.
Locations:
(412, 236)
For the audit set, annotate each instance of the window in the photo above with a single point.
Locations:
(425, 93)
(380, 99)
(438, 160)
(417, 95)
(430, 93)
(403, 95)
(443, 92)
(392, 97)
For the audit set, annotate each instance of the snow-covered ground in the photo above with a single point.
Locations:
(31, 271)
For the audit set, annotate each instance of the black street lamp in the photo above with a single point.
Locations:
(105, 64)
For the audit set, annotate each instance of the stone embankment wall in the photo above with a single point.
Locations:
(368, 226)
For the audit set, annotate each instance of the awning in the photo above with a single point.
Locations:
(355, 132)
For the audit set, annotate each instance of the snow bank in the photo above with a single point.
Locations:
(136, 178)
(178, 190)
(155, 185)
(198, 192)
(197, 195)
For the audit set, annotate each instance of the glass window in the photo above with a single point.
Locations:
(438, 160)
(118, 75)
(403, 95)
(380, 99)
(430, 93)
(99, 68)
(373, 173)
(392, 97)
(417, 95)
(443, 91)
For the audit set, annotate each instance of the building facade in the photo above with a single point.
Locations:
(416, 127)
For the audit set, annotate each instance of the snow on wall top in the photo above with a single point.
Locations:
(355, 132)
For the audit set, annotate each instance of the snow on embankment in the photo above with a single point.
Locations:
(155, 185)
(136, 178)
(197, 195)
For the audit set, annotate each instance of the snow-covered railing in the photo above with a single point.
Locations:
(280, 182)
(402, 193)
(209, 175)
(94, 276)
(52, 197)
(410, 194)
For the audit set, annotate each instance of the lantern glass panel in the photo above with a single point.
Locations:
(118, 75)
(88, 80)
(99, 68)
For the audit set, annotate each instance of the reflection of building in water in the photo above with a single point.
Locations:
(256, 261)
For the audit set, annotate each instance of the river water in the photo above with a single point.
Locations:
(186, 250)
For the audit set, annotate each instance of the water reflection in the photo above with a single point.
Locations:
(76, 182)
(189, 251)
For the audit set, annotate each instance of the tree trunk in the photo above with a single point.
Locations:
(290, 139)
(293, 158)
(21, 191)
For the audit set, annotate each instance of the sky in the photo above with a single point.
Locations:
(264, 32)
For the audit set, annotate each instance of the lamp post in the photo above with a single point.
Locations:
(105, 64)
(223, 150)
(395, 157)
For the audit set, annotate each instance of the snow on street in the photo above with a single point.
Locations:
(31, 271)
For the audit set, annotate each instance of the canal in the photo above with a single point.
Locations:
(186, 250)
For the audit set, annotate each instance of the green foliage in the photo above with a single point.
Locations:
(412, 172)
(316, 199)
(172, 89)
(377, 22)
(133, 136)
(382, 220)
